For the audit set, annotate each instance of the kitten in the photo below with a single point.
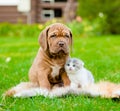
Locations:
(77, 73)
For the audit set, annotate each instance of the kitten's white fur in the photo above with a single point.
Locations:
(77, 73)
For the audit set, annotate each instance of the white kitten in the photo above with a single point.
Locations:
(77, 73)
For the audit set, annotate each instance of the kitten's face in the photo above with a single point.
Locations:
(73, 65)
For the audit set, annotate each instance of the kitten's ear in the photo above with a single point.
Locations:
(68, 60)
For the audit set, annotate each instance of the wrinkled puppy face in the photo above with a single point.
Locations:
(59, 39)
(56, 39)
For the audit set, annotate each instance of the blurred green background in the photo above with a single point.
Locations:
(106, 11)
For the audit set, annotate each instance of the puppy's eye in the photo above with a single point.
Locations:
(67, 36)
(52, 36)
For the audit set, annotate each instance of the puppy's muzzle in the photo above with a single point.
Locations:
(61, 44)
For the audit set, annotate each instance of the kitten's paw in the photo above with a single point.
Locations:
(73, 85)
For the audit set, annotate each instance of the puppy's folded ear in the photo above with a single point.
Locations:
(71, 41)
(43, 39)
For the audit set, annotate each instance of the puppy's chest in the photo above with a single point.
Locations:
(55, 70)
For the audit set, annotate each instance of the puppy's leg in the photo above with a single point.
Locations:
(65, 79)
(43, 81)
(41, 77)
(20, 87)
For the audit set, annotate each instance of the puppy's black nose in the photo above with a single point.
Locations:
(61, 43)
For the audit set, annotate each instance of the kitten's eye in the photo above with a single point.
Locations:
(68, 64)
(73, 65)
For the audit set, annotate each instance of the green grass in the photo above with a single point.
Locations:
(100, 54)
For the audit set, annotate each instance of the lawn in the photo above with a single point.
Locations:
(100, 54)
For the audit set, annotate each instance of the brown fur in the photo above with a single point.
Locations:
(51, 54)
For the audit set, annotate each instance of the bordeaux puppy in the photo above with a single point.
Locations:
(47, 69)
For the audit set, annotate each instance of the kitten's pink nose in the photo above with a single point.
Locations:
(70, 68)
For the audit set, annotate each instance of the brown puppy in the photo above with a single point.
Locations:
(48, 66)
(47, 69)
